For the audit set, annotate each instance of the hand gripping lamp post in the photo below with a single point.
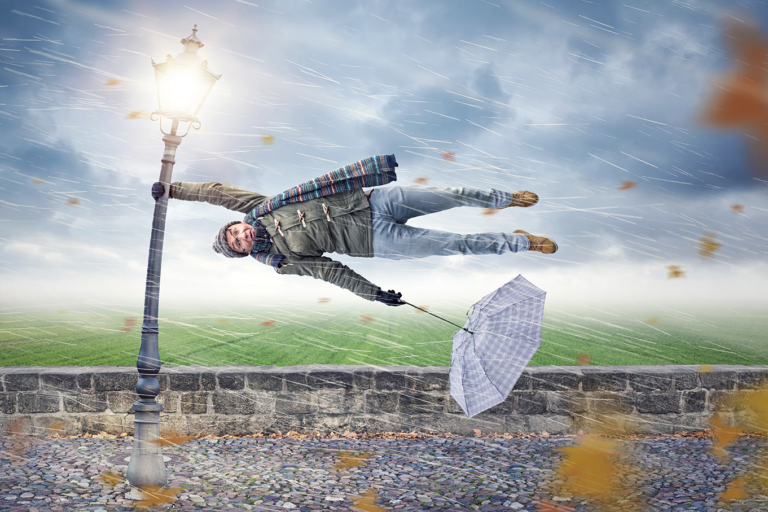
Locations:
(183, 84)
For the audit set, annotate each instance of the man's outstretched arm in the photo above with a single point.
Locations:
(338, 274)
(232, 198)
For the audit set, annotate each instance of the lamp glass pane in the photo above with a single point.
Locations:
(182, 89)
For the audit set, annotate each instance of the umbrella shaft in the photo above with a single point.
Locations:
(441, 318)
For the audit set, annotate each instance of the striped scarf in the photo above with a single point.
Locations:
(370, 172)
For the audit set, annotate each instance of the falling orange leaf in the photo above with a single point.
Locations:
(448, 156)
(268, 323)
(138, 114)
(420, 312)
(111, 479)
(366, 318)
(590, 466)
(551, 506)
(223, 320)
(489, 211)
(737, 208)
(268, 140)
(73, 201)
(708, 245)
(704, 368)
(626, 185)
(653, 321)
(584, 359)
(476, 431)
(154, 495)
(172, 439)
(724, 436)
(129, 323)
(110, 83)
(323, 300)
(350, 460)
(366, 502)
(37, 181)
(735, 491)
(675, 271)
(421, 181)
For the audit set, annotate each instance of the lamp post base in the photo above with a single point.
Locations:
(146, 466)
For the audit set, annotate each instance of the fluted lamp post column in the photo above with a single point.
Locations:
(183, 84)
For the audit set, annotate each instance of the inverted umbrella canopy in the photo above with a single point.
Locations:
(501, 335)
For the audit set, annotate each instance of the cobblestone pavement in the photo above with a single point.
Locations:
(424, 473)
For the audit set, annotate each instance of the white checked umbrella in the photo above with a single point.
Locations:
(501, 335)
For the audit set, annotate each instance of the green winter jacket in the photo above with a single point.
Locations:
(346, 229)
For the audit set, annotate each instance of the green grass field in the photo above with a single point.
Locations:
(326, 334)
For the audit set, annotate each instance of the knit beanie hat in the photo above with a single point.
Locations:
(220, 244)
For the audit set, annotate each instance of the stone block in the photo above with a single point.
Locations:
(45, 425)
(163, 380)
(694, 401)
(212, 424)
(555, 381)
(21, 381)
(376, 402)
(611, 403)
(753, 379)
(208, 381)
(463, 426)
(115, 381)
(233, 403)
(109, 423)
(421, 403)
(427, 379)
(84, 402)
(513, 423)
(567, 402)
(122, 402)
(721, 400)
(8, 403)
(169, 400)
(231, 381)
(295, 380)
(264, 403)
(16, 425)
(296, 403)
(645, 382)
(38, 402)
(286, 422)
(354, 402)
(658, 403)
(333, 423)
(390, 380)
(530, 402)
(551, 423)
(455, 408)
(524, 382)
(63, 382)
(194, 403)
(504, 408)
(383, 422)
(265, 380)
(330, 401)
(363, 378)
(172, 425)
(685, 379)
(330, 380)
(187, 381)
(599, 379)
(718, 379)
(84, 381)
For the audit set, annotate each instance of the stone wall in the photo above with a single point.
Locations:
(239, 400)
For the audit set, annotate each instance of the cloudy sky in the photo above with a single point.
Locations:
(567, 98)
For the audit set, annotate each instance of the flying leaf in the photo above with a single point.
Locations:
(223, 320)
(708, 246)
(172, 439)
(420, 312)
(652, 321)
(735, 491)
(73, 201)
(737, 208)
(268, 323)
(323, 300)
(626, 185)
(704, 368)
(154, 495)
(111, 82)
(448, 156)
(129, 324)
(350, 460)
(591, 466)
(366, 502)
(366, 318)
(675, 271)
(268, 140)
(138, 114)
(111, 479)
(584, 359)
(489, 211)
(421, 181)
(476, 431)
(37, 181)
(724, 436)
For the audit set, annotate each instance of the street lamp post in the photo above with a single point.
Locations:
(183, 84)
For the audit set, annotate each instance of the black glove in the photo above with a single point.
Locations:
(158, 190)
(390, 298)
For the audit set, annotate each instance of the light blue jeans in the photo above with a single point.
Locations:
(392, 207)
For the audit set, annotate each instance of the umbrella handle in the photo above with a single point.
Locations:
(441, 318)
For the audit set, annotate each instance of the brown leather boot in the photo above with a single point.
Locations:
(523, 198)
(539, 243)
